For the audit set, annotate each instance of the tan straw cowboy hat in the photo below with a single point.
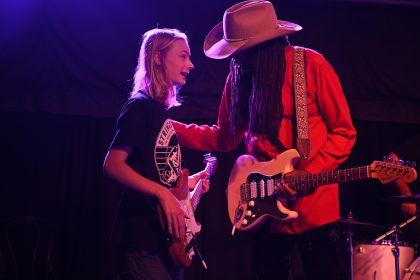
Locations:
(244, 25)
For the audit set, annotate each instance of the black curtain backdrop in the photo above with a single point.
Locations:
(66, 68)
(77, 57)
(51, 168)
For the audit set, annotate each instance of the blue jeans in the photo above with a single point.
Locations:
(145, 265)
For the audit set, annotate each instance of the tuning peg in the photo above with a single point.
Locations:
(390, 159)
(401, 162)
(384, 158)
(413, 164)
(407, 163)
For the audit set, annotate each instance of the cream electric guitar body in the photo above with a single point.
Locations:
(252, 196)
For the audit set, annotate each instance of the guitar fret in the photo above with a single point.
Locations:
(198, 191)
(310, 181)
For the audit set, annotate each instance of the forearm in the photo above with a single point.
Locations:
(403, 188)
(204, 137)
(122, 173)
(219, 137)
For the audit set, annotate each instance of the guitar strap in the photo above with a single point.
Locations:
(301, 104)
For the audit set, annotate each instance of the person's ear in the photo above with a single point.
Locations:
(157, 58)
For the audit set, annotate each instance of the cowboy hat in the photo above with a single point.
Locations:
(244, 25)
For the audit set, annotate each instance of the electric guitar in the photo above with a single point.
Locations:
(252, 196)
(182, 250)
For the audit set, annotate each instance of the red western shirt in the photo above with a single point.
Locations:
(331, 134)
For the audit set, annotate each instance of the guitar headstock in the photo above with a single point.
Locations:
(211, 163)
(387, 172)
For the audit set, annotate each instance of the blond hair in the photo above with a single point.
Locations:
(151, 77)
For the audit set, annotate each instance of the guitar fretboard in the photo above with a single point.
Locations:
(195, 199)
(308, 182)
(198, 193)
(261, 186)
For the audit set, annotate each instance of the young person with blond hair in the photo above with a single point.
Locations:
(145, 157)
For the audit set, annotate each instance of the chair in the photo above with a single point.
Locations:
(25, 249)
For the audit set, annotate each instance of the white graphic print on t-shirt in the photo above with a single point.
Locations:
(167, 154)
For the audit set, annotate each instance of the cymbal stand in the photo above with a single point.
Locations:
(395, 231)
(349, 239)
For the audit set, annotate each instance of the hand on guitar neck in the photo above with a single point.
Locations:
(283, 190)
(194, 181)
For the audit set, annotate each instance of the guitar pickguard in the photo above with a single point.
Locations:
(251, 191)
(192, 227)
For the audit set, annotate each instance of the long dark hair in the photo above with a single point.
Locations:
(256, 97)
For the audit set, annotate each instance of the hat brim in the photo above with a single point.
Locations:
(215, 46)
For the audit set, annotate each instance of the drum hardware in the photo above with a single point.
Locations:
(415, 198)
(413, 271)
(349, 222)
(376, 261)
(375, 254)
(395, 231)
(349, 239)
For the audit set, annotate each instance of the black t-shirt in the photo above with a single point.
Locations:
(143, 124)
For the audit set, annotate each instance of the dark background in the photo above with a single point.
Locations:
(66, 68)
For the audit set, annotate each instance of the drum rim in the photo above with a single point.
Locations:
(411, 269)
(386, 242)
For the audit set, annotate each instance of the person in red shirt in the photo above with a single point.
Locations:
(257, 106)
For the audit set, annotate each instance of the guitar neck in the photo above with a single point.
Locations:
(311, 181)
(198, 193)
(198, 190)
